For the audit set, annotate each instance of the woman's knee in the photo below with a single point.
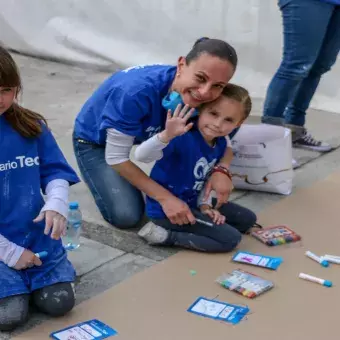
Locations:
(55, 300)
(13, 311)
(125, 216)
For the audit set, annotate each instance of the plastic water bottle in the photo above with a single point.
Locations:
(74, 222)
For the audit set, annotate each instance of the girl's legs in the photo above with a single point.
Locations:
(13, 311)
(14, 298)
(215, 238)
(55, 300)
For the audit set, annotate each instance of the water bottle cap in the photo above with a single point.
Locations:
(73, 205)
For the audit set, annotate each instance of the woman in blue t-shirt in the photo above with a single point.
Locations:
(130, 107)
(31, 162)
(186, 154)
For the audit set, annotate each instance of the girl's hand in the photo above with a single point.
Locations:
(55, 221)
(176, 125)
(27, 260)
(214, 214)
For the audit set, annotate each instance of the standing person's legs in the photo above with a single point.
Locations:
(296, 112)
(120, 203)
(305, 23)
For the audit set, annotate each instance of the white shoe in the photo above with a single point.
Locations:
(295, 163)
(153, 234)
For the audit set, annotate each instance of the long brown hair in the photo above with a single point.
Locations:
(24, 121)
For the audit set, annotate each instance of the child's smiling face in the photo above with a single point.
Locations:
(220, 118)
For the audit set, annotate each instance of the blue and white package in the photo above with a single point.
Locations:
(92, 329)
(257, 260)
(218, 310)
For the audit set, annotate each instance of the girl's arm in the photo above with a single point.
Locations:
(175, 125)
(117, 152)
(55, 209)
(57, 192)
(150, 150)
(9, 252)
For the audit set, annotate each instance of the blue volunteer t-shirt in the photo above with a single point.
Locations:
(184, 167)
(27, 165)
(129, 101)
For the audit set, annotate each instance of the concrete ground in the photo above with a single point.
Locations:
(108, 255)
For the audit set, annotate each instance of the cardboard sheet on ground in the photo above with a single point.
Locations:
(153, 304)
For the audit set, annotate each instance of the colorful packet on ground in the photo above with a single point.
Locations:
(218, 310)
(276, 235)
(257, 260)
(92, 329)
(244, 283)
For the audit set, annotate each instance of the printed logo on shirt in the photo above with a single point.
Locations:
(138, 67)
(19, 162)
(201, 171)
(152, 130)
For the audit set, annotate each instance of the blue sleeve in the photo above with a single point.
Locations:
(173, 147)
(222, 146)
(125, 112)
(52, 162)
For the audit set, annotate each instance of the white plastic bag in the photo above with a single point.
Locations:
(263, 159)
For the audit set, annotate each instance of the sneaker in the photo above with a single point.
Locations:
(307, 141)
(295, 163)
(153, 234)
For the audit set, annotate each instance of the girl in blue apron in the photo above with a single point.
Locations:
(30, 163)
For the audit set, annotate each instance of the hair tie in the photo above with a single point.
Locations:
(202, 39)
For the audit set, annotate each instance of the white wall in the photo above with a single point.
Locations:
(108, 33)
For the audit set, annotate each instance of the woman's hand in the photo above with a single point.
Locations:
(27, 260)
(54, 221)
(177, 211)
(176, 124)
(214, 214)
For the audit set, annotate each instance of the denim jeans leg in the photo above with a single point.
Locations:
(296, 111)
(304, 28)
(120, 203)
(200, 237)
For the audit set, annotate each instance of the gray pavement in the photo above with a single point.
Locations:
(108, 255)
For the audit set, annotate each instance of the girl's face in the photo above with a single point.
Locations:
(220, 118)
(7, 97)
(203, 79)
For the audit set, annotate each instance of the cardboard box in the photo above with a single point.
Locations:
(152, 305)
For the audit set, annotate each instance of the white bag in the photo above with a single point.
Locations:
(263, 159)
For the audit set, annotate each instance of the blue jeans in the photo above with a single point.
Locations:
(120, 203)
(215, 239)
(311, 31)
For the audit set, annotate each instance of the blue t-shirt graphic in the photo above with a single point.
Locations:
(129, 101)
(27, 165)
(184, 167)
